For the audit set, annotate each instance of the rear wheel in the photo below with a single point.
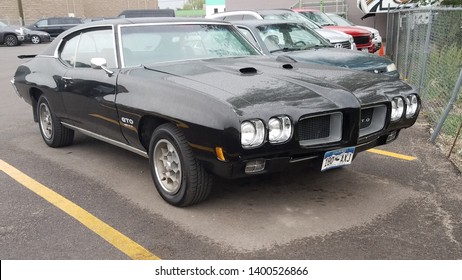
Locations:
(53, 132)
(35, 39)
(178, 176)
(11, 40)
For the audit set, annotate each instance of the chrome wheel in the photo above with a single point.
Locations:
(167, 166)
(35, 39)
(46, 122)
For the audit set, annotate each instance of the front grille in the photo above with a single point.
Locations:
(345, 45)
(314, 128)
(320, 129)
(372, 120)
(361, 40)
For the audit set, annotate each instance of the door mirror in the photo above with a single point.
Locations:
(100, 63)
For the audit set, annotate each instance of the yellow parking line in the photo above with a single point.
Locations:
(111, 235)
(390, 154)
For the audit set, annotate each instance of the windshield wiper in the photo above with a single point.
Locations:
(285, 50)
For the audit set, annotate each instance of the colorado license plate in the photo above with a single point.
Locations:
(337, 158)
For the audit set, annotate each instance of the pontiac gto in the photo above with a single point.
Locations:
(198, 99)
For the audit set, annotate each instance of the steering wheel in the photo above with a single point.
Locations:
(299, 43)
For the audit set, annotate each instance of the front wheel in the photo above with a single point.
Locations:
(178, 176)
(35, 39)
(53, 132)
(11, 40)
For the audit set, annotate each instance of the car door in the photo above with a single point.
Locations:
(89, 94)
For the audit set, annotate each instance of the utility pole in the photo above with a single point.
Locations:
(21, 13)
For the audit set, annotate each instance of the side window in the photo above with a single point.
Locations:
(79, 50)
(68, 51)
(248, 17)
(54, 21)
(42, 23)
(230, 18)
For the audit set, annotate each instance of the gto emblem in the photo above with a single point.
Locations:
(366, 120)
(127, 121)
(338, 46)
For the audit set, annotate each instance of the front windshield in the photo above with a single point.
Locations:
(289, 37)
(292, 16)
(318, 17)
(339, 20)
(147, 44)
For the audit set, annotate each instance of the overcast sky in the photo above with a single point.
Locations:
(172, 4)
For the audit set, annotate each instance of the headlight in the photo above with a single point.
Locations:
(391, 67)
(412, 103)
(252, 133)
(397, 108)
(350, 39)
(280, 129)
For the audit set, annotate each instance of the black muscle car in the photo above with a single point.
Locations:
(196, 98)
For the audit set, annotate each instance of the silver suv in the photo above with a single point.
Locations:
(11, 35)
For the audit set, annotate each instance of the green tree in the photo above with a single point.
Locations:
(194, 5)
(451, 2)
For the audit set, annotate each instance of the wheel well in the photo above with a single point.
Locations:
(35, 94)
(147, 126)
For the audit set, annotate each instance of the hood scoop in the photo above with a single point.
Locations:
(287, 66)
(248, 70)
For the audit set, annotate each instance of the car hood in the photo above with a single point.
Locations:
(266, 85)
(11, 28)
(341, 58)
(332, 35)
(349, 30)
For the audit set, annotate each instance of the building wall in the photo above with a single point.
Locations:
(36, 9)
(210, 9)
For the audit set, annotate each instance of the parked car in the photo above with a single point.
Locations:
(301, 44)
(336, 38)
(55, 25)
(341, 21)
(11, 35)
(147, 13)
(361, 36)
(37, 37)
(197, 98)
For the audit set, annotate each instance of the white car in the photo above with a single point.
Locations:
(341, 21)
(336, 38)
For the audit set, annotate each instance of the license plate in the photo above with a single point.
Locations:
(365, 50)
(337, 158)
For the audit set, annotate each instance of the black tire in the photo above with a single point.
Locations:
(179, 177)
(53, 132)
(11, 40)
(35, 39)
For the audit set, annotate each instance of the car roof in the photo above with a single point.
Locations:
(50, 50)
(259, 22)
(141, 20)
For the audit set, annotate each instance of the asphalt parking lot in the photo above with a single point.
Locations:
(400, 202)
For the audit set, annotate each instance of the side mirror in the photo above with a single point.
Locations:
(100, 63)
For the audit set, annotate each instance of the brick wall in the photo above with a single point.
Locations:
(36, 9)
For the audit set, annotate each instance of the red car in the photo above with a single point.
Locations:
(361, 36)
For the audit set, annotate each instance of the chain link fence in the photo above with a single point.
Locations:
(426, 46)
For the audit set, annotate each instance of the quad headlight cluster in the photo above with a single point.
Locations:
(254, 132)
(408, 104)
